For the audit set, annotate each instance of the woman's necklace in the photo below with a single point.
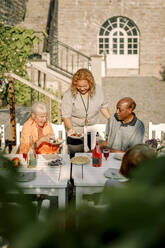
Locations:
(85, 107)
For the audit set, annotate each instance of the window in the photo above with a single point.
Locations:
(118, 35)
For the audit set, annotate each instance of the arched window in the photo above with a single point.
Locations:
(118, 35)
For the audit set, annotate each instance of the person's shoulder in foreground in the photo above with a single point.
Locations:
(131, 160)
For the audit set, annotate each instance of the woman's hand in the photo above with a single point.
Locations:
(70, 132)
(44, 138)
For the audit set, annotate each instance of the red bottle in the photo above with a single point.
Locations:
(96, 154)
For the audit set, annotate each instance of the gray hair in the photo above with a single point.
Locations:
(39, 107)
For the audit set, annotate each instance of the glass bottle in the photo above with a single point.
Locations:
(96, 154)
(31, 155)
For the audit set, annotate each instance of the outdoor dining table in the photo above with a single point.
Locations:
(88, 179)
(51, 181)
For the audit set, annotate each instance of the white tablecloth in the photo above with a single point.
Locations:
(89, 179)
(48, 180)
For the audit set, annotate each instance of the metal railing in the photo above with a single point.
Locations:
(67, 59)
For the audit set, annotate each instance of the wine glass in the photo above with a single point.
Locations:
(106, 153)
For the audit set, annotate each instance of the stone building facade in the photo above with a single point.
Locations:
(80, 23)
(128, 35)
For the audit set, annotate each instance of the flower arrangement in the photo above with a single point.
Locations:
(158, 145)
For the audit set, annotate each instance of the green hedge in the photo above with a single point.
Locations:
(134, 216)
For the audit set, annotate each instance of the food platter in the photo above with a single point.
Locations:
(76, 136)
(80, 160)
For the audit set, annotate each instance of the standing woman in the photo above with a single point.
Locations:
(81, 105)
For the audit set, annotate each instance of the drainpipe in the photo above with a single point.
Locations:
(96, 61)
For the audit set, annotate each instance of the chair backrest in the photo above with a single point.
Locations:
(59, 131)
(100, 128)
(2, 135)
(158, 129)
(18, 133)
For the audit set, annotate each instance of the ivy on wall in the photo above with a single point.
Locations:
(16, 45)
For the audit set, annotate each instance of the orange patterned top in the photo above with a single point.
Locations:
(30, 129)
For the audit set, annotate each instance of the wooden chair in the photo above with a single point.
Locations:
(2, 135)
(100, 128)
(15, 149)
(158, 129)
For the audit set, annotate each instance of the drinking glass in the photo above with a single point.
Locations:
(89, 140)
(106, 153)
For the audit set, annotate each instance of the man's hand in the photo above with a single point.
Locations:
(103, 145)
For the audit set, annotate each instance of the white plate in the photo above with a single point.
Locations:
(26, 176)
(114, 174)
(118, 156)
(56, 142)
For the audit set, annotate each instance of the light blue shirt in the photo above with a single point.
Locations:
(120, 136)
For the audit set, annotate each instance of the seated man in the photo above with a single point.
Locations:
(124, 129)
(40, 130)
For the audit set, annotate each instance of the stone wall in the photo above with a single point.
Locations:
(36, 15)
(80, 21)
(12, 12)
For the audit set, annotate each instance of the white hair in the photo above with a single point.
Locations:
(39, 107)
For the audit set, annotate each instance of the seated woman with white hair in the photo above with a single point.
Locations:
(40, 129)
